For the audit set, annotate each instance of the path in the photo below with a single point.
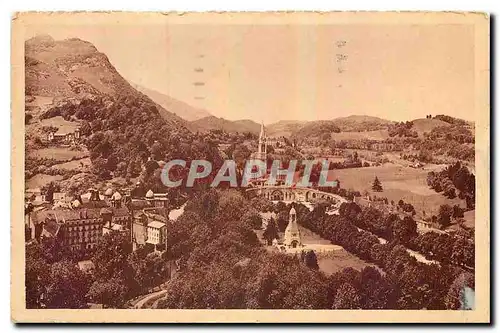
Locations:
(420, 257)
(153, 296)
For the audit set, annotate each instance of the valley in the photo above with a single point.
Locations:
(399, 221)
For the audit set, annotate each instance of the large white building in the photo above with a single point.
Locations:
(157, 235)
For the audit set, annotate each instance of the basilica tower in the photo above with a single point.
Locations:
(262, 150)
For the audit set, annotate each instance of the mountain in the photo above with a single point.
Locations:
(181, 109)
(250, 125)
(71, 82)
(74, 68)
(214, 123)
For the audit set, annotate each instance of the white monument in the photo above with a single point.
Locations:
(292, 233)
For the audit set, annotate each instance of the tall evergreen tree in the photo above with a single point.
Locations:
(377, 186)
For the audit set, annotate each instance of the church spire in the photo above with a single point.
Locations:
(262, 132)
(262, 150)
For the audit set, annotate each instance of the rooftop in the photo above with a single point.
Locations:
(156, 224)
(64, 215)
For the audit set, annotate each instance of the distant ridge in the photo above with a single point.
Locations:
(180, 108)
(214, 123)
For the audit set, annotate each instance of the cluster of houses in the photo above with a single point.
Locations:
(79, 223)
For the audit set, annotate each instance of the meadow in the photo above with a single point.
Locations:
(332, 262)
(40, 180)
(57, 153)
(63, 125)
(398, 182)
(369, 135)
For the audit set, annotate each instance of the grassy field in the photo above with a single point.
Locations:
(398, 182)
(64, 126)
(40, 180)
(370, 135)
(336, 261)
(57, 153)
(80, 165)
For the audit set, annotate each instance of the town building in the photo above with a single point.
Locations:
(35, 196)
(59, 196)
(69, 137)
(146, 228)
(75, 229)
(82, 224)
(158, 199)
(157, 235)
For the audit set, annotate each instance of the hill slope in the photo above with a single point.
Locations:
(121, 127)
(74, 68)
(181, 109)
(302, 129)
(423, 125)
(361, 123)
(214, 123)
(284, 128)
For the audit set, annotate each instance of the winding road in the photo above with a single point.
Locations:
(153, 296)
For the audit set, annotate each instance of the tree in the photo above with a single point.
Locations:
(156, 150)
(110, 293)
(252, 219)
(377, 186)
(444, 215)
(454, 299)
(282, 220)
(85, 129)
(100, 168)
(311, 260)
(346, 297)
(49, 191)
(404, 230)
(377, 292)
(133, 168)
(110, 256)
(457, 212)
(271, 231)
(150, 269)
(36, 276)
(67, 287)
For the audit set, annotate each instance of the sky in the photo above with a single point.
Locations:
(291, 72)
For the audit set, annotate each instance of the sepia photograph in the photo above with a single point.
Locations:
(289, 167)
